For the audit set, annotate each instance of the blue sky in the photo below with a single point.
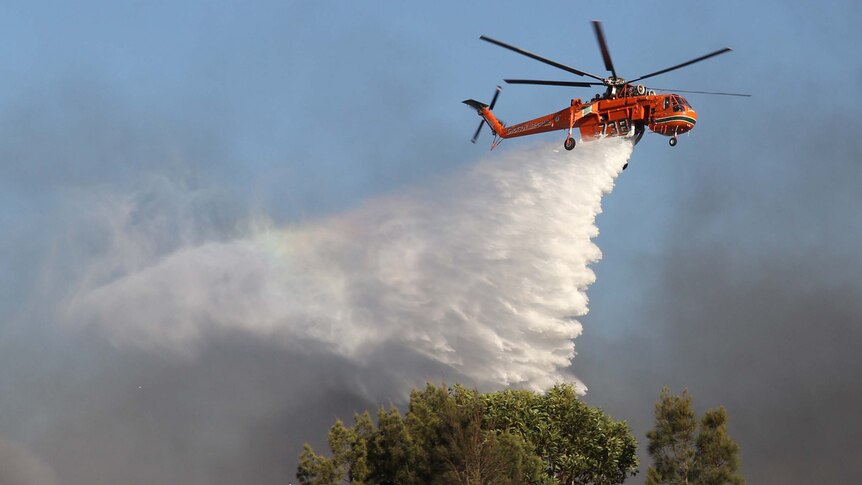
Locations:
(298, 110)
(269, 78)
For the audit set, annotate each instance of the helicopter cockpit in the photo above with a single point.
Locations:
(678, 102)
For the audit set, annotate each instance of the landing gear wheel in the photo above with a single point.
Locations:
(672, 141)
(569, 144)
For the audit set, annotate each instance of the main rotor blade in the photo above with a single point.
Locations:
(606, 55)
(539, 58)
(702, 58)
(700, 92)
(578, 84)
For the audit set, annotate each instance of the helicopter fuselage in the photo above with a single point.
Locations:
(665, 114)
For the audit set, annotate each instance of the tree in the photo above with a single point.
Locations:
(314, 469)
(685, 454)
(459, 436)
(717, 455)
(394, 455)
(466, 452)
(671, 442)
(578, 444)
(349, 455)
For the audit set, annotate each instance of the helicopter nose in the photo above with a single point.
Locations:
(681, 120)
(686, 121)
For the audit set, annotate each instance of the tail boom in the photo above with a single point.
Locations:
(551, 122)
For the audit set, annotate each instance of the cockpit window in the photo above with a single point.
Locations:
(679, 103)
(666, 102)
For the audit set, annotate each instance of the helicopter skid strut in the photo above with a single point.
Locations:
(569, 144)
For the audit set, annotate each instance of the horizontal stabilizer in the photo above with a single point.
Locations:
(475, 104)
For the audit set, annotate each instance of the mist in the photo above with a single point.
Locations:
(483, 272)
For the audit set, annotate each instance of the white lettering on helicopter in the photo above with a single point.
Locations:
(528, 126)
(613, 128)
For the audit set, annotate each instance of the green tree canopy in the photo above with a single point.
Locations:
(577, 443)
(684, 453)
(459, 436)
(717, 455)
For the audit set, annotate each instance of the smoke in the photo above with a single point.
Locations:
(483, 272)
(18, 466)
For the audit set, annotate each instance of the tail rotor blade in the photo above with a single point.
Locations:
(478, 130)
(494, 99)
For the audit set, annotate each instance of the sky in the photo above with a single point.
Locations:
(729, 262)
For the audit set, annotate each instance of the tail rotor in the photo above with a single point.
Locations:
(479, 107)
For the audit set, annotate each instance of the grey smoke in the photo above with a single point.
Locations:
(752, 302)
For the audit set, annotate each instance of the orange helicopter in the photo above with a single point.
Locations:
(625, 109)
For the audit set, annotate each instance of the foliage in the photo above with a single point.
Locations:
(685, 454)
(671, 442)
(717, 455)
(578, 443)
(458, 436)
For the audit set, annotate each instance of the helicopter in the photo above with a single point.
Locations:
(625, 109)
